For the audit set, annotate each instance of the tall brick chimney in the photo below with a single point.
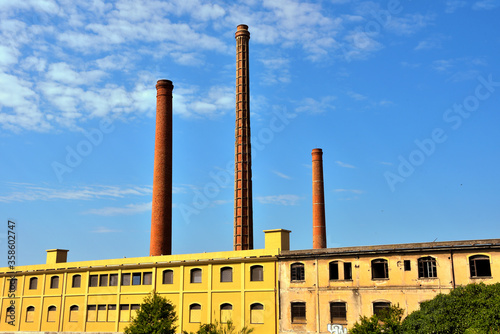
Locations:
(243, 213)
(319, 221)
(161, 216)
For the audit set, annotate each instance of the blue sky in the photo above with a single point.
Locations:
(402, 96)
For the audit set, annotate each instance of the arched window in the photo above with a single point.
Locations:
(30, 314)
(54, 282)
(73, 313)
(33, 283)
(479, 266)
(52, 314)
(379, 308)
(298, 312)
(196, 275)
(380, 269)
(168, 276)
(226, 312)
(256, 313)
(427, 267)
(256, 273)
(195, 313)
(338, 313)
(76, 281)
(297, 272)
(226, 274)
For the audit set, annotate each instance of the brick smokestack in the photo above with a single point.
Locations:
(319, 221)
(243, 213)
(161, 216)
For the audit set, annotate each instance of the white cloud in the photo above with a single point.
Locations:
(279, 199)
(283, 176)
(353, 191)
(486, 4)
(277, 70)
(129, 209)
(102, 229)
(434, 42)
(217, 101)
(343, 164)
(356, 96)
(30, 192)
(453, 5)
(315, 106)
(409, 24)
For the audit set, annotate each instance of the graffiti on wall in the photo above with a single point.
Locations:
(336, 329)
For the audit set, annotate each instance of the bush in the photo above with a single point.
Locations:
(156, 316)
(387, 322)
(219, 328)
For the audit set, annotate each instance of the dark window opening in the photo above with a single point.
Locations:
(93, 280)
(338, 313)
(147, 278)
(256, 273)
(125, 279)
(297, 272)
(380, 269)
(54, 282)
(407, 265)
(380, 308)
(195, 275)
(298, 312)
(113, 279)
(226, 274)
(347, 271)
(480, 266)
(33, 283)
(136, 279)
(334, 270)
(427, 267)
(76, 281)
(168, 276)
(103, 280)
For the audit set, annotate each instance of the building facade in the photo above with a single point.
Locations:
(103, 296)
(338, 285)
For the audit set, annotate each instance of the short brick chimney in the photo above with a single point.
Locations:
(319, 221)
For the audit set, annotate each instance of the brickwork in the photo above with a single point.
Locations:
(161, 215)
(318, 193)
(243, 214)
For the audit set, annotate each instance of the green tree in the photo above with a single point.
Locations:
(471, 309)
(387, 322)
(220, 328)
(156, 316)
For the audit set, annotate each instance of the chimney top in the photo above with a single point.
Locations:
(164, 83)
(242, 30)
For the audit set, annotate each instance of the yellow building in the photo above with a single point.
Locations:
(102, 296)
(338, 285)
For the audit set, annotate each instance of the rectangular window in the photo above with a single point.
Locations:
(256, 273)
(297, 272)
(195, 275)
(125, 312)
(147, 278)
(91, 313)
(338, 313)
(133, 310)
(334, 270)
(93, 280)
(136, 279)
(12, 284)
(347, 271)
(103, 280)
(298, 312)
(112, 313)
(101, 312)
(407, 265)
(168, 276)
(226, 275)
(380, 269)
(113, 280)
(126, 279)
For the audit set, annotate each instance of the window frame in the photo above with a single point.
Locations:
(379, 306)
(30, 314)
(338, 305)
(385, 269)
(73, 281)
(298, 314)
(54, 282)
(257, 275)
(254, 308)
(333, 270)
(193, 276)
(226, 275)
(168, 279)
(473, 268)
(297, 272)
(72, 312)
(33, 284)
(427, 267)
(52, 312)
